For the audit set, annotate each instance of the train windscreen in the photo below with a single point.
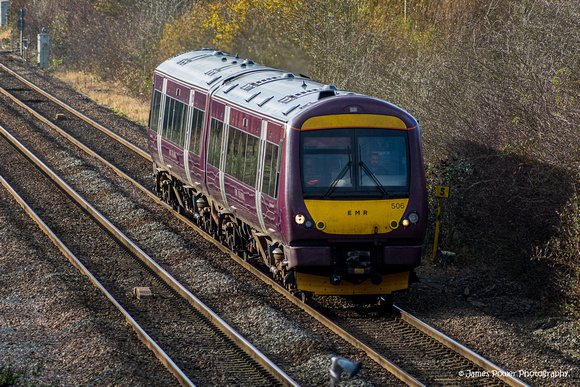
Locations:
(354, 163)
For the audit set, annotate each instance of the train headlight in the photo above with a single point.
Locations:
(303, 221)
(299, 219)
(413, 217)
(405, 223)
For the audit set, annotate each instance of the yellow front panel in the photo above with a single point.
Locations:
(359, 217)
(353, 121)
(321, 285)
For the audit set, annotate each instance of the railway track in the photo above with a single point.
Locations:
(419, 354)
(115, 263)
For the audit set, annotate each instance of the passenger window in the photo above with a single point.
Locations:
(251, 164)
(155, 111)
(197, 119)
(235, 156)
(215, 139)
(174, 121)
(167, 117)
(242, 156)
(179, 123)
(270, 180)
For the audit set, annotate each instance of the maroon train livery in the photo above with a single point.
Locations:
(326, 186)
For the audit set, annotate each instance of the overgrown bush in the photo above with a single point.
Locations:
(8, 377)
(562, 252)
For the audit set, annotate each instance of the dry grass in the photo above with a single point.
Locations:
(5, 33)
(110, 94)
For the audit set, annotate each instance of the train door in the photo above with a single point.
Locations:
(224, 147)
(263, 146)
(269, 177)
(215, 151)
(156, 118)
(195, 124)
(173, 132)
(187, 145)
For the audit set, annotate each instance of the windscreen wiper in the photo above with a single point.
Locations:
(337, 179)
(373, 178)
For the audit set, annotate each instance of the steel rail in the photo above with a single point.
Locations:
(100, 127)
(495, 370)
(385, 363)
(73, 140)
(233, 335)
(371, 353)
(382, 361)
(141, 334)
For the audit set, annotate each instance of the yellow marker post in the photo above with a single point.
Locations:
(441, 192)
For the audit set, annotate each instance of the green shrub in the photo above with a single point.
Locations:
(8, 377)
(562, 252)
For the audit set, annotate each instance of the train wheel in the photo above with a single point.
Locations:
(165, 193)
(236, 245)
(306, 297)
(208, 226)
(229, 240)
(385, 303)
(205, 224)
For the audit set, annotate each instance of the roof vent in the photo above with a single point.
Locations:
(290, 110)
(218, 53)
(253, 96)
(287, 75)
(230, 88)
(264, 101)
(213, 80)
(247, 62)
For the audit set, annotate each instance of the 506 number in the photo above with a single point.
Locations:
(398, 206)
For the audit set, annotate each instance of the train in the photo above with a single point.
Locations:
(324, 186)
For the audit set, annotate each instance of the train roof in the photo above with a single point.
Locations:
(265, 90)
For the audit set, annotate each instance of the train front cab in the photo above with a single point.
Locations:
(360, 221)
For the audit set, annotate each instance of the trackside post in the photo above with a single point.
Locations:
(441, 191)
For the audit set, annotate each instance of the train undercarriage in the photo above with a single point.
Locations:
(239, 237)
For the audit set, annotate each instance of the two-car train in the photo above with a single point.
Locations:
(326, 185)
